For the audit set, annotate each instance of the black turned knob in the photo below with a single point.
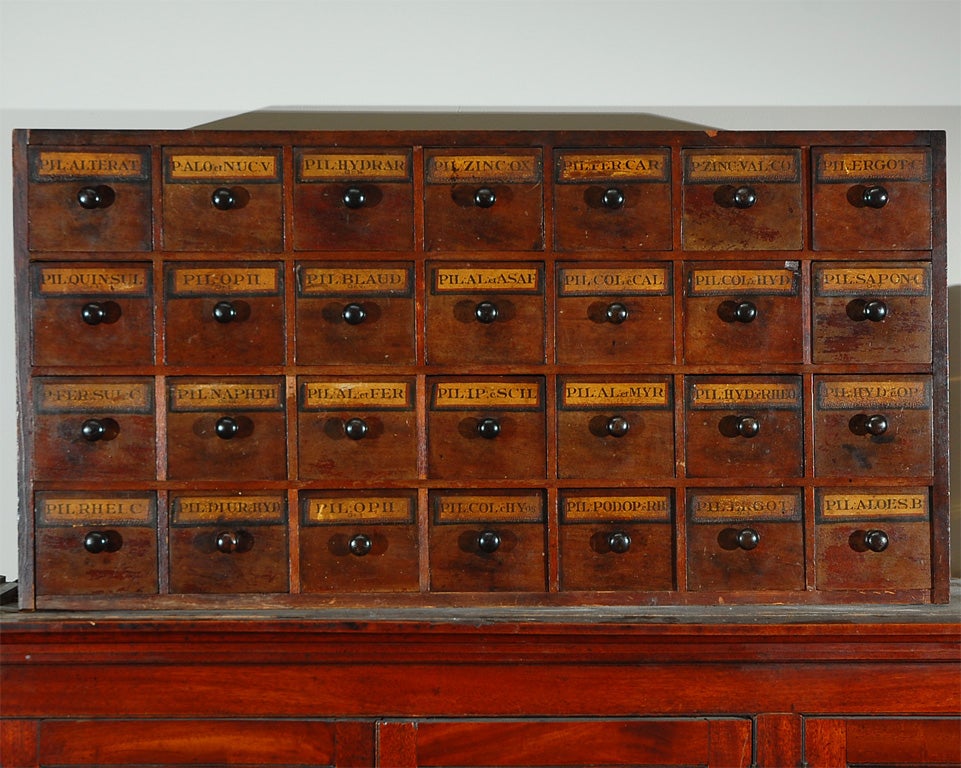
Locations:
(619, 542)
(223, 199)
(612, 199)
(747, 426)
(747, 539)
(484, 197)
(486, 312)
(354, 198)
(876, 540)
(617, 426)
(360, 545)
(874, 310)
(91, 198)
(229, 542)
(355, 429)
(227, 427)
(488, 541)
(97, 312)
(488, 428)
(738, 311)
(616, 313)
(96, 542)
(875, 196)
(354, 314)
(863, 424)
(225, 312)
(94, 430)
(743, 197)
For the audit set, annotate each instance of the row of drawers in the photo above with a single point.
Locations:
(482, 541)
(216, 199)
(613, 427)
(103, 314)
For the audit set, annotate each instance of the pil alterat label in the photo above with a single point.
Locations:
(68, 165)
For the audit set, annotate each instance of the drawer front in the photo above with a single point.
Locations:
(873, 538)
(743, 313)
(95, 543)
(357, 429)
(223, 315)
(484, 199)
(92, 314)
(739, 426)
(94, 429)
(89, 200)
(873, 426)
(485, 313)
(353, 199)
(741, 199)
(614, 201)
(617, 313)
(486, 428)
(487, 541)
(871, 312)
(223, 199)
(360, 313)
(617, 539)
(228, 542)
(739, 539)
(359, 541)
(871, 198)
(615, 427)
(232, 429)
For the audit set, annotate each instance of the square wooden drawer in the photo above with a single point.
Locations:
(98, 314)
(617, 539)
(873, 425)
(223, 199)
(745, 539)
(871, 198)
(228, 428)
(96, 542)
(742, 199)
(744, 424)
(94, 428)
(485, 313)
(357, 312)
(486, 428)
(359, 541)
(89, 199)
(871, 312)
(348, 199)
(487, 541)
(621, 313)
(743, 312)
(873, 538)
(227, 542)
(611, 201)
(615, 427)
(224, 315)
(483, 199)
(357, 428)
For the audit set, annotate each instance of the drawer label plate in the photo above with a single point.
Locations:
(706, 167)
(203, 396)
(728, 506)
(219, 281)
(71, 396)
(614, 281)
(350, 281)
(621, 166)
(56, 165)
(461, 395)
(484, 280)
(886, 165)
(506, 508)
(225, 167)
(842, 394)
(763, 282)
(577, 508)
(338, 166)
(515, 168)
(61, 509)
(758, 395)
(887, 281)
(324, 395)
(188, 510)
(629, 394)
(895, 504)
(366, 509)
(93, 281)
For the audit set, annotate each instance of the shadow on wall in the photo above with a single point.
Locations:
(954, 421)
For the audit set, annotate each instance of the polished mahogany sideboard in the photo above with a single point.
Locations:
(462, 368)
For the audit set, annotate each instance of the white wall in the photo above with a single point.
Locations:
(763, 64)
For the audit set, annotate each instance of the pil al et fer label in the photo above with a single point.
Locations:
(614, 281)
(102, 165)
(358, 509)
(474, 508)
(579, 393)
(734, 506)
(347, 166)
(755, 282)
(761, 394)
(515, 167)
(133, 281)
(325, 395)
(223, 280)
(505, 279)
(504, 393)
(843, 394)
(901, 503)
(353, 281)
(56, 395)
(643, 507)
(763, 166)
(68, 509)
(260, 395)
(636, 166)
(883, 281)
(263, 508)
(881, 165)
(222, 167)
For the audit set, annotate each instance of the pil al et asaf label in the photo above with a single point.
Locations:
(784, 393)
(56, 395)
(738, 506)
(614, 281)
(223, 280)
(360, 509)
(104, 165)
(224, 167)
(262, 508)
(884, 281)
(882, 165)
(515, 167)
(873, 504)
(638, 166)
(69, 509)
(352, 281)
(756, 282)
(93, 281)
(472, 508)
(324, 395)
(260, 395)
(486, 279)
(644, 506)
(842, 394)
(768, 166)
(346, 166)
(504, 393)
(605, 394)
